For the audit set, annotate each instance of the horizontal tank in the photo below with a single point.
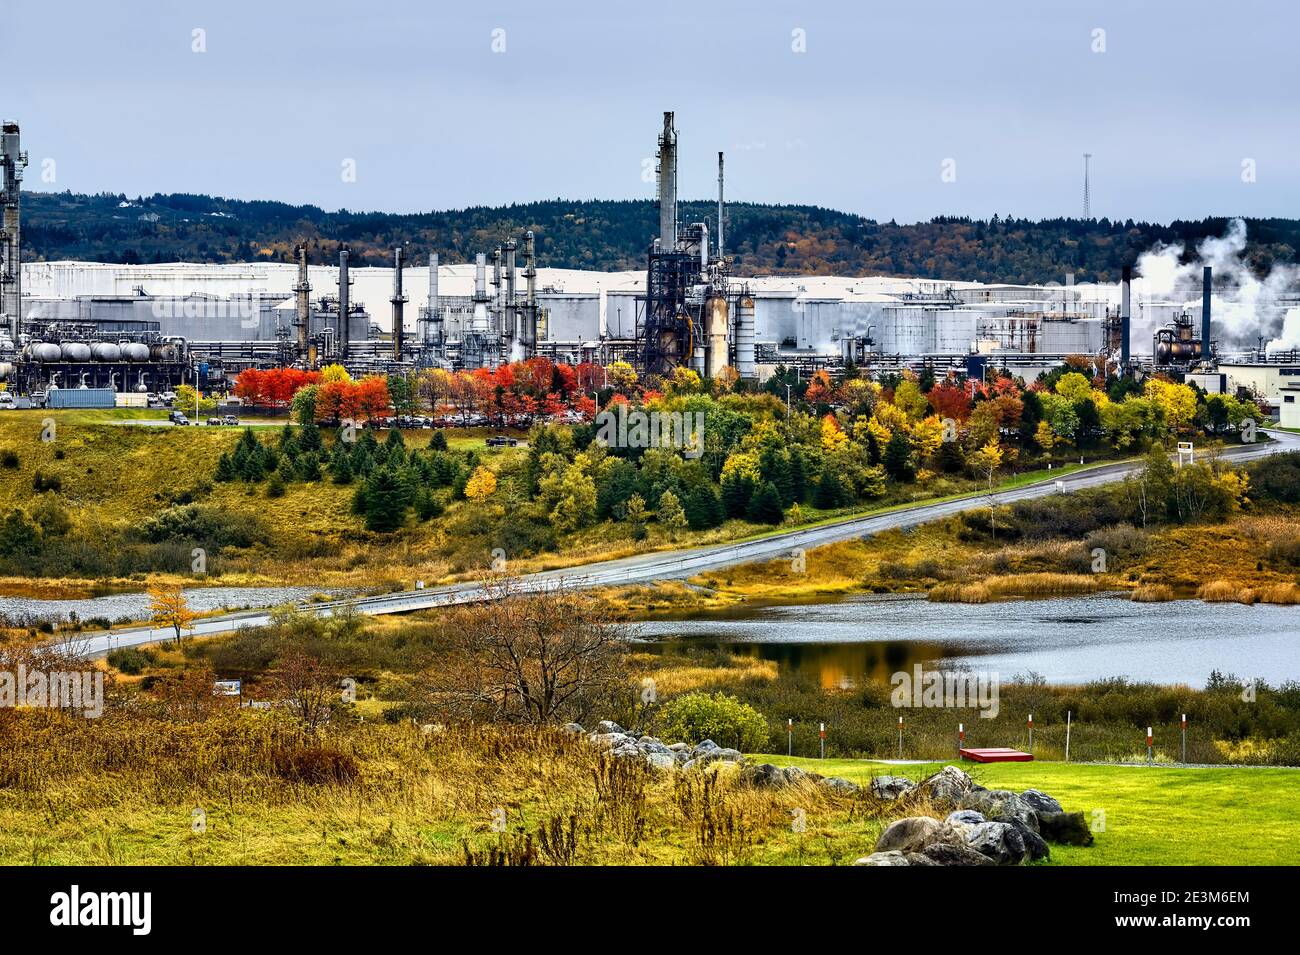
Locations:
(135, 351)
(75, 351)
(106, 351)
(44, 352)
(6, 370)
(163, 351)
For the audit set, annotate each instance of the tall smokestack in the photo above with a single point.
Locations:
(1125, 317)
(512, 276)
(480, 277)
(434, 305)
(1207, 286)
(668, 186)
(720, 210)
(12, 162)
(345, 306)
(302, 319)
(399, 301)
(530, 294)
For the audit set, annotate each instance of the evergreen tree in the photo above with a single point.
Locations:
(798, 476)
(225, 469)
(897, 458)
(737, 490)
(703, 508)
(830, 492)
(308, 466)
(427, 505)
(275, 486)
(439, 441)
(309, 438)
(670, 514)
(765, 506)
(775, 469)
(385, 500)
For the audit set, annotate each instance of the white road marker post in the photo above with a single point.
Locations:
(1031, 734)
(789, 737)
(1150, 750)
(961, 738)
(821, 732)
(900, 737)
(1067, 735)
(1184, 728)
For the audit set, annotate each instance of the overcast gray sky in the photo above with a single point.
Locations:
(1171, 100)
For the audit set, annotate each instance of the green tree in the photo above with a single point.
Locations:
(671, 514)
(385, 500)
(765, 506)
(897, 458)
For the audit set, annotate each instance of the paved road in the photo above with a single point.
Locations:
(676, 565)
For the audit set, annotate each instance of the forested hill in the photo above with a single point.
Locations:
(613, 235)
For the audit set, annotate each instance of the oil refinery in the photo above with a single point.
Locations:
(137, 328)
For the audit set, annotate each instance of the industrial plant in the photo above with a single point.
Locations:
(130, 329)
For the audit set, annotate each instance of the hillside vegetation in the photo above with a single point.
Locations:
(612, 235)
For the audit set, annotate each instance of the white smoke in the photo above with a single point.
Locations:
(1244, 308)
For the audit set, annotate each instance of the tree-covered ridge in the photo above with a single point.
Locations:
(610, 235)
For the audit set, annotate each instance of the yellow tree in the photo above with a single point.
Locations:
(332, 373)
(986, 461)
(169, 608)
(1045, 437)
(482, 484)
(622, 376)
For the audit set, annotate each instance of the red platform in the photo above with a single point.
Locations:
(999, 754)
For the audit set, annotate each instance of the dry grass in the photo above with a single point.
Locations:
(960, 593)
(1226, 591)
(1012, 586)
(1286, 594)
(1153, 593)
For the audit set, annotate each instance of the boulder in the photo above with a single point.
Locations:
(1034, 844)
(680, 747)
(575, 728)
(843, 786)
(764, 776)
(1070, 828)
(946, 853)
(718, 755)
(1039, 801)
(946, 787)
(660, 761)
(1000, 841)
(966, 816)
(1000, 802)
(609, 726)
(649, 745)
(891, 787)
(611, 740)
(884, 858)
(704, 747)
(793, 774)
(915, 833)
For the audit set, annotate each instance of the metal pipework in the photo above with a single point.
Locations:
(302, 317)
(530, 268)
(399, 301)
(512, 321)
(433, 315)
(12, 162)
(345, 282)
(668, 185)
(480, 277)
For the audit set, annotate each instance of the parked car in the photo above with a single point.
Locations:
(214, 420)
(7, 402)
(501, 441)
(175, 417)
(230, 419)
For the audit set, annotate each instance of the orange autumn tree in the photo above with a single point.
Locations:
(169, 608)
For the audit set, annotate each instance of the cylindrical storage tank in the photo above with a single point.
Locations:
(715, 332)
(745, 338)
(75, 351)
(45, 352)
(135, 351)
(6, 369)
(106, 351)
(162, 351)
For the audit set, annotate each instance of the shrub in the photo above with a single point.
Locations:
(9, 458)
(316, 766)
(695, 717)
(1153, 593)
(132, 660)
(42, 482)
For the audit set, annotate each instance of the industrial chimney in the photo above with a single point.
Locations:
(12, 162)
(1207, 287)
(302, 318)
(668, 186)
(433, 316)
(1125, 317)
(398, 300)
(720, 212)
(345, 281)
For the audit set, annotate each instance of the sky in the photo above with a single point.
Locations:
(897, 110)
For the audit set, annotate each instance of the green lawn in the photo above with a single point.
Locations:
(1152, 816)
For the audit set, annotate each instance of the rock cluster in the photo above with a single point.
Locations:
(985, 826)
(619, 742)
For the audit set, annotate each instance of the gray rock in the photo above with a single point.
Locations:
(1034, 844)
(793, 774)
(627, 751)
(611, 740)
(884, 858)
(946, 853)
(660, 761)
(649, 745)
(764, 776)
(966, 816)
(609, 726)
(891, 787)
(704, 747)
(1000, 802)
(574, 728)
(1070, 828)
(718, 755)
(1000, 841)
(946, 787)
(915, 833)
(1039, 801)
(845, 786)
(680, 747)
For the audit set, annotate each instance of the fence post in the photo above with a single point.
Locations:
(961, 738)
(1150, 749)
(1184, 729)
(1031, 734)
(900, 737)
(789, 737)
(1067, 735)
(821, 732)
